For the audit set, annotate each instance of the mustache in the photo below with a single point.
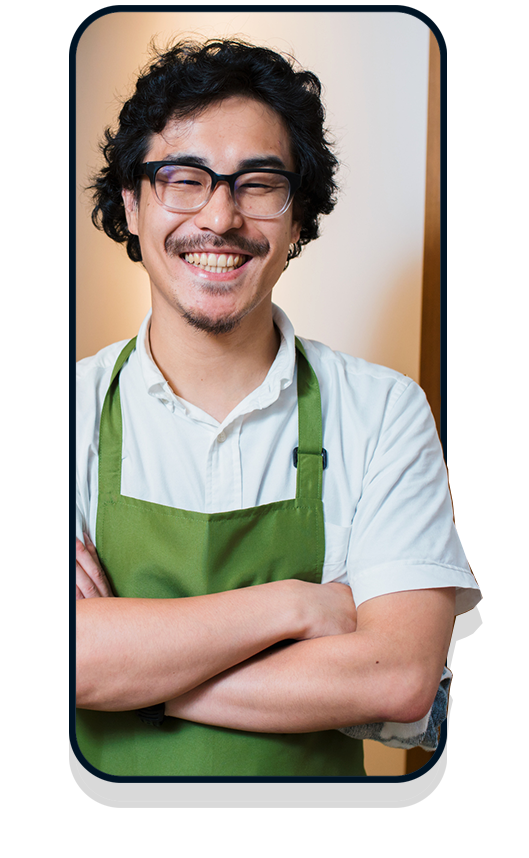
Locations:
(193, 243)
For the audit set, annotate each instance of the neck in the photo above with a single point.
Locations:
(214, 371)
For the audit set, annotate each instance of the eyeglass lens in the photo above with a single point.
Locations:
(256, 194)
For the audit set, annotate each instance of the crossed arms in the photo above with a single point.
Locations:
(212, 658)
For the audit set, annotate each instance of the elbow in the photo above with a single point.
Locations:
(411, 697)
(83, 697)
(95, 686)
(91, 689)
(82, 670)
(87, 662)
(414, 708)
(86, 690)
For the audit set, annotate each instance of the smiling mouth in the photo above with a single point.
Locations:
(217, 263)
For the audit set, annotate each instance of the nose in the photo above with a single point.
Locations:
(220, 213)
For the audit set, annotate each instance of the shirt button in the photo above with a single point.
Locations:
(221, 437)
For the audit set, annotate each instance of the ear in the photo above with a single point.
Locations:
(130, 201)
(295, 232)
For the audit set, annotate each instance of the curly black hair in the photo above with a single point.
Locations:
(185, 79)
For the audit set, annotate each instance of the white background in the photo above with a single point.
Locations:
(479, 803)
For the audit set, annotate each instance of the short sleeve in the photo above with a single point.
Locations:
(403, 535)
(92, 380)
(80, 522)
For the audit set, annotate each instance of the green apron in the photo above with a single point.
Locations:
(155, 551)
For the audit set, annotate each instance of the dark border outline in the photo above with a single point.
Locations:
(408, 10)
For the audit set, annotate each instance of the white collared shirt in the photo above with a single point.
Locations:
(388, 513)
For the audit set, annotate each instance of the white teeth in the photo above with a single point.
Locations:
(212, 262)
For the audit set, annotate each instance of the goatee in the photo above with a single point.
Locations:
(188, 244)
(211, 326)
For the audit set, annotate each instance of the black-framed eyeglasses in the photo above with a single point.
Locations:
(263, 193)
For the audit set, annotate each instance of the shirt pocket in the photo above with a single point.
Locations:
(336, 549)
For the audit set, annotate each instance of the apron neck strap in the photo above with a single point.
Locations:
(111, 432)
(123, 357)
(310, 459)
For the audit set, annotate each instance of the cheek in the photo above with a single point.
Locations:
(155, 226)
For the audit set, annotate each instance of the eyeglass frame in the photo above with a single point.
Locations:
(150, 168)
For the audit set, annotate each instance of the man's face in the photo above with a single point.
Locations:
(222, 137)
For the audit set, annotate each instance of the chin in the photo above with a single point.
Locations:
(221, 325)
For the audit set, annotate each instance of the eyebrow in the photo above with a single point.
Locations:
(186, 159)
(189, 160)
(271, 161)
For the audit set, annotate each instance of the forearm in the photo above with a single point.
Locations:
(338, 681)
(136, 652)
(308, 686)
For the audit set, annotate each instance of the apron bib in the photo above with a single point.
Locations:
(155, 551)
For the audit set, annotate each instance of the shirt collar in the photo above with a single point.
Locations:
(278, 378)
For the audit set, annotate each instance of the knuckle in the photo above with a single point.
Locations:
(101, 582)
(91, 591)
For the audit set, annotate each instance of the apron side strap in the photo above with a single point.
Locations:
(110, 431)
(309, 479)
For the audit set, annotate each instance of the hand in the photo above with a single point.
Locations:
(90, 580)
(331, 610)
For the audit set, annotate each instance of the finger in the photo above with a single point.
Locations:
(95, 571)
(90, 547)
(78, 593)
(86, 555)
(84, 584)
(89, 562)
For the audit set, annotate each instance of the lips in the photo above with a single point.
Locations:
(200, 250)
(217, 263)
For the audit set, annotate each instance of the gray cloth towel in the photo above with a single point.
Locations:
(421, 734)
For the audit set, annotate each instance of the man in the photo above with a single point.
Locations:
(226, 470)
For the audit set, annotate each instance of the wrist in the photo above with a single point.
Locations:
(297, 606)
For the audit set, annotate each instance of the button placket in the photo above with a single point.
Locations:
(224, 483)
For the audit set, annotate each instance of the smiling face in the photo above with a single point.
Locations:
(178, 249)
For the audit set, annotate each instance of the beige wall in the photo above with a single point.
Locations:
(358, 288)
